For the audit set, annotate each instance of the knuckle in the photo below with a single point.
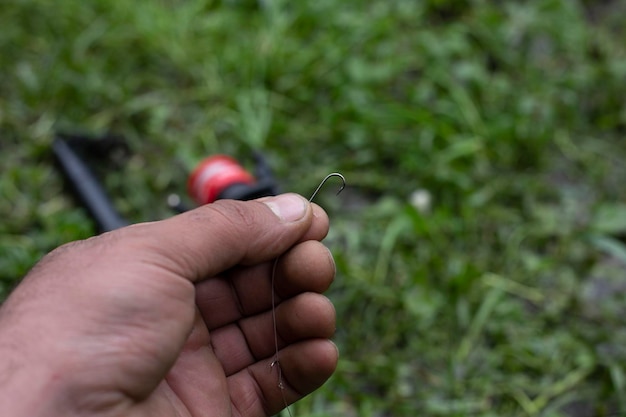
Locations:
(236, 219)
(238, 215)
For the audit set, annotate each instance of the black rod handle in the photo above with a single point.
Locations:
(87, 188)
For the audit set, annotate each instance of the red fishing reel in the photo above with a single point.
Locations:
(222, 177)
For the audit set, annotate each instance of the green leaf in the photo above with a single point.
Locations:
(610, 218)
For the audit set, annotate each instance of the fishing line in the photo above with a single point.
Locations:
(276, 362)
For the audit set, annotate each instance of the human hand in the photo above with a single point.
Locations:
(174, 317)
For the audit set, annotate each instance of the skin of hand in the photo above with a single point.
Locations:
(173, 318)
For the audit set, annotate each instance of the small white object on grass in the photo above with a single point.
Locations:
(422, 200)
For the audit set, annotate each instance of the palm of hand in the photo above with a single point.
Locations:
(224, 367)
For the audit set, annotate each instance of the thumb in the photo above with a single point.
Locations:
(210, 239)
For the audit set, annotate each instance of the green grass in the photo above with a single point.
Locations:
(506, 298)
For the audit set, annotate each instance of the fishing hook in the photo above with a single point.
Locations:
(319, 187)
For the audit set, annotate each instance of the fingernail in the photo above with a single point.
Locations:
(288, 207)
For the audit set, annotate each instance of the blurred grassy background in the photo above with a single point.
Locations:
(505, 297)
